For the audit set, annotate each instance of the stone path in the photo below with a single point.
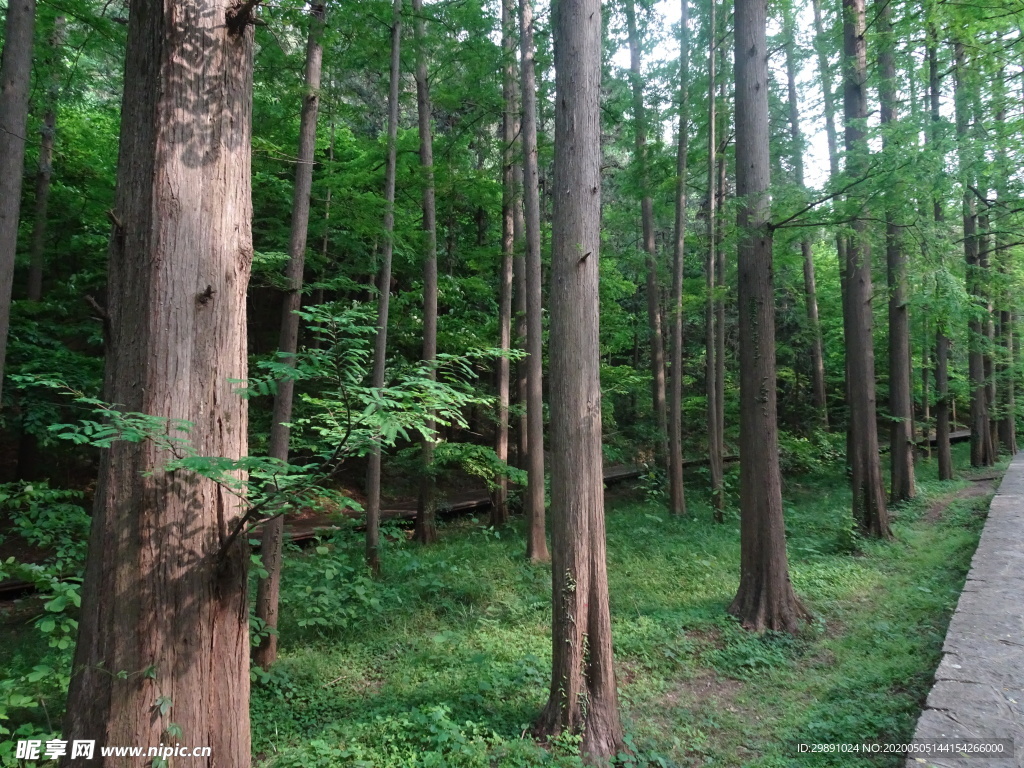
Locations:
(979, 685)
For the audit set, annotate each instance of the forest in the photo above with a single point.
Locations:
(471, 384)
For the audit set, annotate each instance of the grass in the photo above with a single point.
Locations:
(445, 660)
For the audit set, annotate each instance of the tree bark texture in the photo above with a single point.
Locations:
(869, 503)
(677, 494)
(901, 404)
(810, 283)
(268, 590)
(380, 347)
(765, 599)
(536, 541)
(15, 75)
(981, 442)
(426, 510)
(1007, 410)
(583, 696)
(654, 327)
(163, 601)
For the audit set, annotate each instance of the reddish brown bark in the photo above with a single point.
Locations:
(164, 608)
(583, 697)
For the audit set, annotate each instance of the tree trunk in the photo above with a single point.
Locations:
(901, 404)
(650, 248)
(380, 347)
(536, 542)
(677, 495)
(509, 133)
(583, 696)
(15, 76)
(1007, 426)
(715, 464)
(163, 601)
(268, 590)
(810, 283)
(426, 526)
(765, 599)
(44, 172)
(869, 506)
(979, 421)
(943, 449)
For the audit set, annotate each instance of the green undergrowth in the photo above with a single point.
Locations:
(445, 660)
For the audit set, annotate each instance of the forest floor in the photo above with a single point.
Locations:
(445, 660)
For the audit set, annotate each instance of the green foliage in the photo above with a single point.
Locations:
(50, 519)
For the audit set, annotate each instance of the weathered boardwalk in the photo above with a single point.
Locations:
(979, 685)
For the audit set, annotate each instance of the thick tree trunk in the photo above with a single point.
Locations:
(869, 504)
(163, 601)
(981, 443)
(426, 526)
(901, 404)
(536, 542)
(810, 283)
(715, 450)
(677, 495)
(654, 327)
(15, 74)
(583, 696)
(380, 347)
(765, 599)
(509, 134)
(269, 589)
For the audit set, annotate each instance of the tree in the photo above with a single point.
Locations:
(677, 497)
(981, 441)
(650, 248)
(426, 527)
(810, 282)
(943, 448)
(901, 433)
(715, 412)
(380, 349)
(765, 599)
(15, 72)
(536, 543)
(164, 631)
(510, 126)
(869, 509)
(268, 590)
(583, 696)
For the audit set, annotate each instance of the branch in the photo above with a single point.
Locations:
(239, 17)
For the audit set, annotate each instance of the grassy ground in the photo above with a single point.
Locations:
(446, 660)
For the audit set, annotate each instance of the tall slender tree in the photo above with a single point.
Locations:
(943, 448)
(711, 346)
(583, 696)
(806, 251)
(901, 404)
(15, 72)
(380, 347)
(677, 496)
(765, 599)
(981, 443)
(268, 590)
(164, 609)
(536, 541)
(509, 134)
(426, 527)
(869, 504)
(654, 328)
